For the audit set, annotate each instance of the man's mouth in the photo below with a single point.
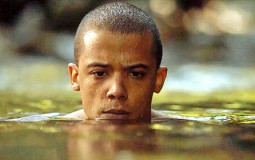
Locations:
(116, 111)
(113, 114)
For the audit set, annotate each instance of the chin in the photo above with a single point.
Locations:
(123, 118)
(114, 116)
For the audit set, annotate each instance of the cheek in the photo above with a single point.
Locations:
(92, 93)
(88, 94)
(146, 87)
(141, 94)
(91, 101)
(88, 85)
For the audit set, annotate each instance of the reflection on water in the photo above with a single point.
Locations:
(194, 130)
(96, 140)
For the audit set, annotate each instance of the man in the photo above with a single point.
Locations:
(117, 54)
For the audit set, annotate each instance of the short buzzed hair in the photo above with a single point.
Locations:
(119, 17)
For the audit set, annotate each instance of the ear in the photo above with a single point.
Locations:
(160, 79)
(74, 74)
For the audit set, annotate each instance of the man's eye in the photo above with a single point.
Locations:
(99, 73)
(136, 75)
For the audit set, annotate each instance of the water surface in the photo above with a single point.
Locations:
(199, 127)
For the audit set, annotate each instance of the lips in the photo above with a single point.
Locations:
(114, 114)
(115, 111)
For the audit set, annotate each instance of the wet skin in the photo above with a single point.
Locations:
(116, 75)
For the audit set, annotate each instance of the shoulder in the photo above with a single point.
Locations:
(79, 114)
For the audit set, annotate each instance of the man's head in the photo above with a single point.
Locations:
(120, 18)
(117, 54)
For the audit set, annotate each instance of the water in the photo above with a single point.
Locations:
(202, 124)
(198, 128)
(170, 139)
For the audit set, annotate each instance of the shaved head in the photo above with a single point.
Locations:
(118, 17)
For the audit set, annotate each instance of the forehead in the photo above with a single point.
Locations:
(106, 45)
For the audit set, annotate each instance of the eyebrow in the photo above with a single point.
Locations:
(96, 64)
(103, 65)
(136, 66)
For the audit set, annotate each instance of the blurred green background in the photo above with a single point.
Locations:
(209, 45)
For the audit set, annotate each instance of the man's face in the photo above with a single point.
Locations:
(117, 75)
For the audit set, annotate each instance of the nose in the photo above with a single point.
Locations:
(117, 90)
